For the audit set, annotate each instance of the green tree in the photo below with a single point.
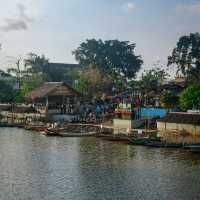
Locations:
(151, 81)
(37, 67)
(18, 71)
(193, 75)
(113, 57)
(170, 100)
(25, 89)
(29, 73)
(93, 83)
(7, 93)
(186, 57)
(71, 75)
(190, 98)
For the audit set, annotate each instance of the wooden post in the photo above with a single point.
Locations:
(63, 106)
(46, 108)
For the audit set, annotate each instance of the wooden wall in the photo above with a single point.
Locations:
(179, 133)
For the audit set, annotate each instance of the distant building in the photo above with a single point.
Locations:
(175, 86)
(180, 128)
(180, 80)
(58, 71)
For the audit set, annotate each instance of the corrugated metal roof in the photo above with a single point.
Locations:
(182, 118)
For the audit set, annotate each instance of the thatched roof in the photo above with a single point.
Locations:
(52, 89)
(182, 118)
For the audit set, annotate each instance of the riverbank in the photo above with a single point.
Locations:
(146, 137)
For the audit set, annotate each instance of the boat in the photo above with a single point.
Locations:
(193, 147)
(55, 134)
(6, 125)
(38, 128)
(119, 138)
(142, 140)
(19, 125)
(102, 135)
(61, 132)
(162, 144)
(51, 133)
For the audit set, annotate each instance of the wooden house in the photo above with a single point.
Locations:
(180, 128)
(55, 98)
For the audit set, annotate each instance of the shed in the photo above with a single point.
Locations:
(180, 127)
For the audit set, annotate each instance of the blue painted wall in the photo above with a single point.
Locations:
(153, 112)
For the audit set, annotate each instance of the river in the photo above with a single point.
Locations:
(35, 167)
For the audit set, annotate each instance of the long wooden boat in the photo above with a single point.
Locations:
(102, 135)
(65, 133)
(119, 138)
(193, 147)
(38, 128)
(7, 125)
(143, 140)
(161, 144)
(54, 134)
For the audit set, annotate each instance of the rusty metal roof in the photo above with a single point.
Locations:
(182, 118)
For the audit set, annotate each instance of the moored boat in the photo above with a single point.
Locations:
(193, 147)
(6, 125)
(162, 144)
(120, 138)
(38, 128)
(61, 132)
(142, 140)
(51, 133)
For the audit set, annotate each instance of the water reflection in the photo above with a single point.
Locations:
(36, 167)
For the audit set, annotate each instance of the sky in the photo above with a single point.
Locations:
(56, 27)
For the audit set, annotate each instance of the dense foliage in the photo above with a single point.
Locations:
(190, 98)
(93, 83)
(29, 74)
(113, 57)
(151, 80)
(109, 68)
(37, 67)
(7, 93)
(186, 55)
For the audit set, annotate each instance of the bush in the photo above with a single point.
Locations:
(190, 98)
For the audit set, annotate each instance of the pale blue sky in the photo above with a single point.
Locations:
(56, 27)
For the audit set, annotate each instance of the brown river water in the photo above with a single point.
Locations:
(36, 167)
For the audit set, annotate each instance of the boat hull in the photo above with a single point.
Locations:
(117, 138)
(193, 148)
(142, 141)
(163, 145)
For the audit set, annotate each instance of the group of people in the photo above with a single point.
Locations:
(95, 114)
